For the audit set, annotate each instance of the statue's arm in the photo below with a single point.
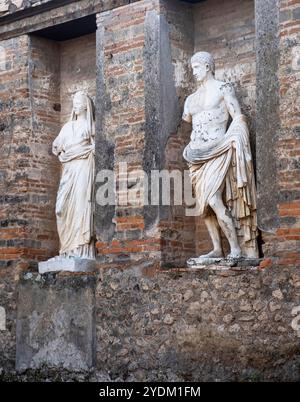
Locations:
(186, 116)
(231, 101)
(57, 146)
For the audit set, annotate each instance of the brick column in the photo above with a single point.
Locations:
(121, 130)
(277, 125)
(138, 112)
(288, 141)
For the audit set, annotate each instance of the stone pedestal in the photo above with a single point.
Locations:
(59, 264)
(223, 263)
(56, 322)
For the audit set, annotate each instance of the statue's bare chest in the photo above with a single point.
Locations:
(204, 100)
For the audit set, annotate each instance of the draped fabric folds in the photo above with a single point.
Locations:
(74, 205)
(228, 161)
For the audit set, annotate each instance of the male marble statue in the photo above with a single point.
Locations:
(75, 149)
(220, 163)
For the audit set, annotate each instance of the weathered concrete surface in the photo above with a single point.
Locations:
(267, 111)
(56, 322)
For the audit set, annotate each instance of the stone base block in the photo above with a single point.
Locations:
(56, 322)
(223, 263)
(58, 264)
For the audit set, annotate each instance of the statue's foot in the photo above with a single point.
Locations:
(54, 258)
(213, 254)
(235, 253)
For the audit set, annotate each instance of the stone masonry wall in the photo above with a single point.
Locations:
(199, 326)
(179, 325)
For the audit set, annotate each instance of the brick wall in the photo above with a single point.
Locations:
(15, 117)
(286, 246)
(44, 73)
(121, 102)
(277, 58)
(178, 230)
(30, 119)
(42, 82)
(144, 82)
(78, 70)
(15, 129)
(58, 70)
(124, 96)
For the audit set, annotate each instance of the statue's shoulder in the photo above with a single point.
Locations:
(65, 129)
(190, 98)
(226, 88)
(67, 126)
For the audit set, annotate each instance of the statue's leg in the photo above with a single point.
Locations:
(214, 232)
(226, 223)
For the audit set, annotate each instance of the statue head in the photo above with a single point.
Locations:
(79, 102)
(82, 103)
(202, 64)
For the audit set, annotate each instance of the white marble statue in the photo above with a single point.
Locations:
(220, 163)
(75, 149)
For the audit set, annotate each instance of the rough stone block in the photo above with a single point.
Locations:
(67, 264)
(56, 322)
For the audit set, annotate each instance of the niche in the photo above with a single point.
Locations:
(62, 61)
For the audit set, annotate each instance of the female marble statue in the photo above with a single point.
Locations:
(75, 149)
(220, 162)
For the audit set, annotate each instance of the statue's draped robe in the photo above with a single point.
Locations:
(228, 161)
(74, 204)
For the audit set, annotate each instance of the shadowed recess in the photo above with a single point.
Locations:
(70, 30)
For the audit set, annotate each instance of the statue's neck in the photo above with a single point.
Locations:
(206, 81)
(81, 117)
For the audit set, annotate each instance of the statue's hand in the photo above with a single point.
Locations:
(55, 150)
